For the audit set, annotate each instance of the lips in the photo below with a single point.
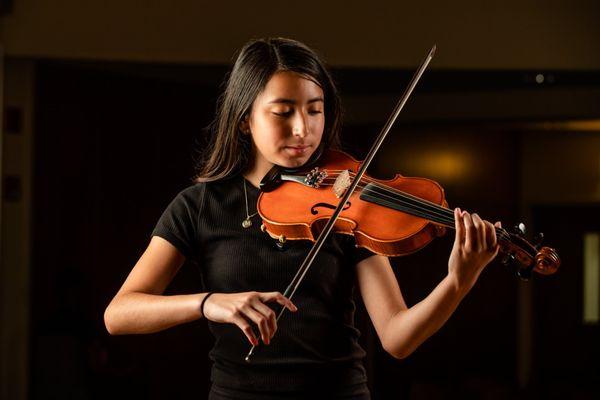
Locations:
(297, 150)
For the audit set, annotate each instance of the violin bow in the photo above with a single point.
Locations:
(295, 283)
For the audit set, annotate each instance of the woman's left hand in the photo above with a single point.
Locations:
(475, 245)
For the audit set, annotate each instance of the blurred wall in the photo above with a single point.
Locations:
(470, 34)
(17, 165)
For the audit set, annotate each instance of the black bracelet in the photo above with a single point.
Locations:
(203, 301)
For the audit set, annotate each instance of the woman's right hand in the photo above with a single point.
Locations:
(240, 308)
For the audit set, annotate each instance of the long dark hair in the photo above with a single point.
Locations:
(229, 150)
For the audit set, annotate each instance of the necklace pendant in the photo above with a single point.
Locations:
(247, 223)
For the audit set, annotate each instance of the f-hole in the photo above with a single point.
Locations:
(314, 211)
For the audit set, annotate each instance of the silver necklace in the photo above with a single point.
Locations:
(247, 223)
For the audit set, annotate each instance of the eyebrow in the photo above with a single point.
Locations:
(291, 101)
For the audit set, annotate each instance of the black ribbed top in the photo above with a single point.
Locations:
(317, 345)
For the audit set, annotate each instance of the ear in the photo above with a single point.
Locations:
(245, 125)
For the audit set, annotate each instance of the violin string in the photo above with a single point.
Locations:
(394, 190)
(410, 208)
(442, 214)
(447, 218)
(442, 210)
(407, 206)
(449, 213)
(416, 210)
(410, 203)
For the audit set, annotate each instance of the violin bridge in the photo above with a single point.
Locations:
(342, 182)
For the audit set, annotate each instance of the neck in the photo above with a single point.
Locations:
(257, 171)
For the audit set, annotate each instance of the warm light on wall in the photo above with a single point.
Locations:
(446, 166)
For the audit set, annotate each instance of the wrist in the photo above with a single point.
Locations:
(203, 304)
(459, 284)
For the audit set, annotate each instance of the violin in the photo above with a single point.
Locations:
(392, 217)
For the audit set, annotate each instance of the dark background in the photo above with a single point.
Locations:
(114, 147)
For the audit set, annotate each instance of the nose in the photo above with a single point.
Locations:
(300, 127)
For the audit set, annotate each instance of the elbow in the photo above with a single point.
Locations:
(109, 322)
(399, 352)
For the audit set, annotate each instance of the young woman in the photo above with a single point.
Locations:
(278, 108)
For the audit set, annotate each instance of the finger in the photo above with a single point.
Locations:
(459, 225)
(279, 298)
(470, 232)
(481, 233)
(499, 232)
(261, 321)
(491, 235)
(246, 328)
(268, 313)
(496, 251)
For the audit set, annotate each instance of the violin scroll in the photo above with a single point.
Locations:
(546, 261)
(543, 260)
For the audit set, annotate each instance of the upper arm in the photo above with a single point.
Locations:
(379, 290)
(155, 269)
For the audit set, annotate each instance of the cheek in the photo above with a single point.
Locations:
(318, 126)
(267, 132)
(265, 128)
(273, 132)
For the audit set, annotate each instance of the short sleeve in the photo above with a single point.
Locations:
(356, 254)
(178, 223)
(360, 253)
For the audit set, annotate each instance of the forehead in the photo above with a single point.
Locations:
(291, 86)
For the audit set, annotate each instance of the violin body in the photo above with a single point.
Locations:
(297, 211)
(391, 217)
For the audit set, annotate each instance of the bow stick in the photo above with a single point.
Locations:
(295, 283)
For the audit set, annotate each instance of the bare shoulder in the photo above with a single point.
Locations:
(155, 269)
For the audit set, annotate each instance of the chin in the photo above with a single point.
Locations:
(294, 162)
(287, 163)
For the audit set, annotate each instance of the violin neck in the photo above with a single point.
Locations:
(409, 204)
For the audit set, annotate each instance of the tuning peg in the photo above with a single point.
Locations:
(519, 229)
(537, 240)
(508, 259)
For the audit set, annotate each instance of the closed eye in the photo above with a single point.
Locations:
(283, 114)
